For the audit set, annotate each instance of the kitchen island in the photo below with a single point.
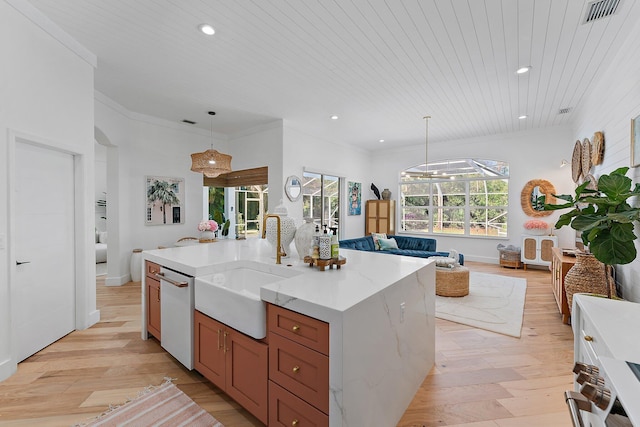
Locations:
(381, 315)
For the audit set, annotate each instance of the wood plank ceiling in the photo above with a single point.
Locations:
(380, 65)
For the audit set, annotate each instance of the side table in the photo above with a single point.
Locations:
(452, 282)
(560, 264)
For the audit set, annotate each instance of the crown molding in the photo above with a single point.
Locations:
(47, 25)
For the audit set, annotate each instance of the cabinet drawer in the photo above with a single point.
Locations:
(151, 268)
(300, 370)
(590, 340)
(297, 327)
(287, 410)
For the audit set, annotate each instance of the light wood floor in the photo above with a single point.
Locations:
(481, 379)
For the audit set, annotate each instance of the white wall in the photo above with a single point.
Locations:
(257, 147)
(141, 146)
(46, 88)
(287, 151)
(609, 108)
(303, 151)
(534, 154)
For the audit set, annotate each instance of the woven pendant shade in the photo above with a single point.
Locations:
(201, 163)
(211, 163)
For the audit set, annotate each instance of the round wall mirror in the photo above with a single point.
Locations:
(531, 197)
(293, 188)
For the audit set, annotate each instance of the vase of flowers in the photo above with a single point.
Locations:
(207, 230)
(536, 227)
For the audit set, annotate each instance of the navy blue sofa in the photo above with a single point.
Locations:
(409, 246)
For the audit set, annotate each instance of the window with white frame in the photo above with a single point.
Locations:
(321, 199)
(466, 197)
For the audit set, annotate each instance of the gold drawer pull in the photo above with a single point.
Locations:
(588, 338)
(294, 423)
(295, 328)
(296, 369)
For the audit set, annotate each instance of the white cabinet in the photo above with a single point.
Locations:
(605, 335)
(537, 249)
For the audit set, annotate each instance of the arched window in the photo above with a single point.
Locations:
(467, 197)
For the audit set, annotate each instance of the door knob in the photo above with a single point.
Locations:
(22, 262)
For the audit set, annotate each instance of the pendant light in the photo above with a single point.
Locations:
(425, 174)
(426, 146)
(211, 163)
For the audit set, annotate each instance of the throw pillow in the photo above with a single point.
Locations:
(454, 254)
(443, 261)
(386, 244)
(377, 236)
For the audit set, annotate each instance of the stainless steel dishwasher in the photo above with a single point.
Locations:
(177, 306)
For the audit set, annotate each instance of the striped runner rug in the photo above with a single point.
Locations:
(165, 405)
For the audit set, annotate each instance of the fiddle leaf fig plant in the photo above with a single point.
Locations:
(604, 216)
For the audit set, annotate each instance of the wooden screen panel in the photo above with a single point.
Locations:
(255, 176)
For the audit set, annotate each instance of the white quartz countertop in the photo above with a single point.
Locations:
(313, 291)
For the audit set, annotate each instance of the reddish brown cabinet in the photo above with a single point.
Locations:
(298, 369)
(234, 362)
(153, 299)
(286, 409)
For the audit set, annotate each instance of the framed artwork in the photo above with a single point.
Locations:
(164, 198)
(354, 192)
(635, 142)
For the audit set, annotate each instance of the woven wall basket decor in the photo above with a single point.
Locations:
(576, 162)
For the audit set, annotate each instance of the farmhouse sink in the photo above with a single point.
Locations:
(231, 295)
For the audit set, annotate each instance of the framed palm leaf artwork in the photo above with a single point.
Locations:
(164, 200)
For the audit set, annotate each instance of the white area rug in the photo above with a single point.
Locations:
(494, 303)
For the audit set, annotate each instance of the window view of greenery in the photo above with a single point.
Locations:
(249, 202)
(463, 197)
(321, 199)
(216, 203)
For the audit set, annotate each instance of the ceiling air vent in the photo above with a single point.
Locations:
(600, 9)
(189, 122)
(565, 110)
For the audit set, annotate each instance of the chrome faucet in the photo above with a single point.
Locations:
(279, 248)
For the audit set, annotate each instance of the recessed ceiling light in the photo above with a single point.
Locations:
(382, 140)
(334, 117)
(206, 29)
(523, 70)
(522, 117)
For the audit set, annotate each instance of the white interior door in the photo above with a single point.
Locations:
(43, 289)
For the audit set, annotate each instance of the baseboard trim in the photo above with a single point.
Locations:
(7, 368)
(486, 260)
(94, 317)
(117, 281)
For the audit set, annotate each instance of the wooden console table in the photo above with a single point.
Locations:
(560, 264)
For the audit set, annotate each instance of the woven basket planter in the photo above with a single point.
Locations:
(588, 275)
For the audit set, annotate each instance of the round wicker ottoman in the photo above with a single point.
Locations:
(452, 282)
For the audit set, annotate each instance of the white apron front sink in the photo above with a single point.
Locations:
(232, 294)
